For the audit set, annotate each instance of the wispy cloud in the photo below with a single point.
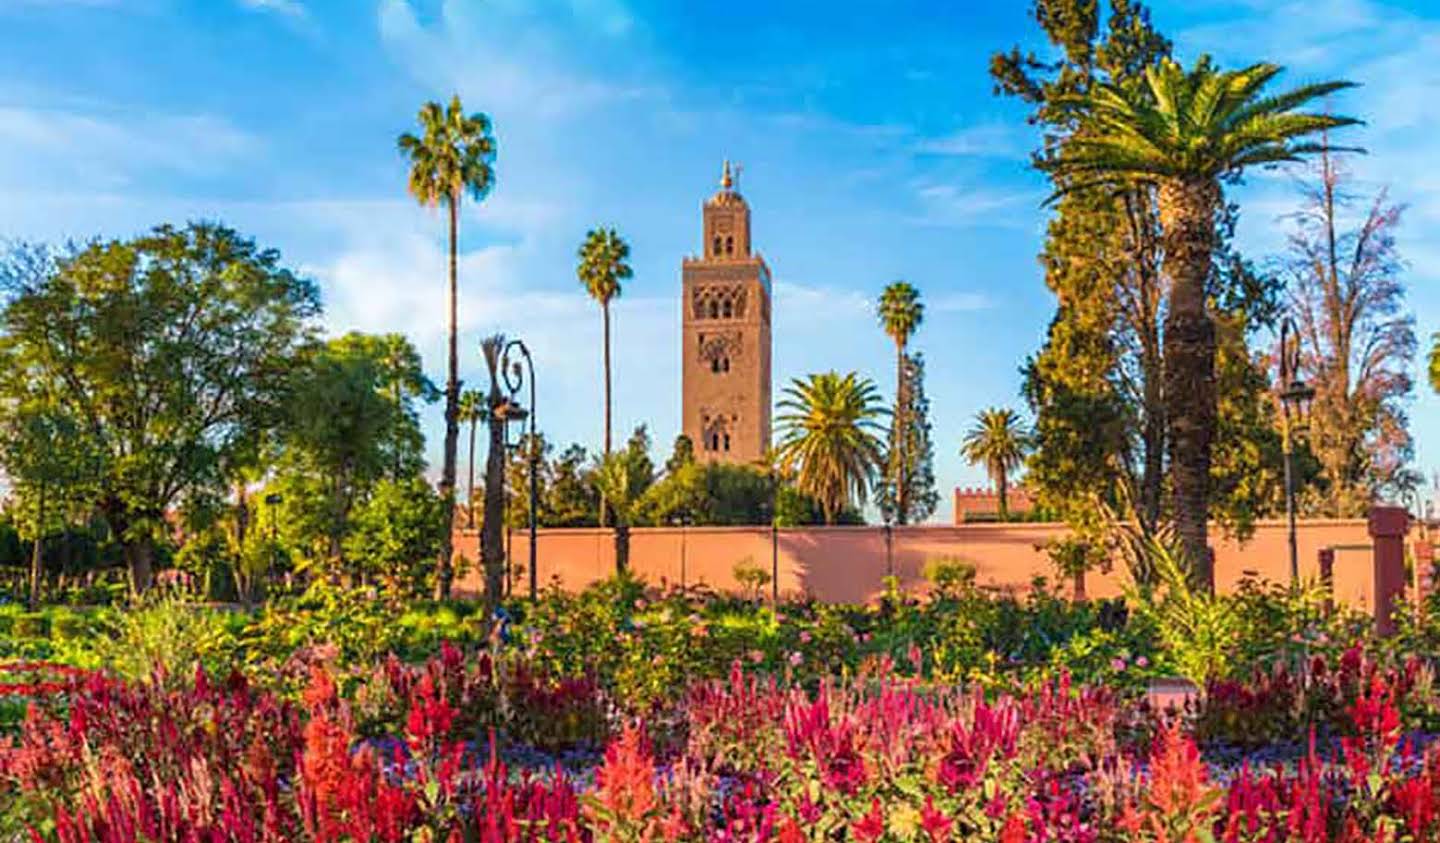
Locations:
(987, 140)
(105, 151)
(289, 8)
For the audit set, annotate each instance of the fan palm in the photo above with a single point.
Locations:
(450, 158)
(999, 443)
(472, 410)
(900, 313)
(1184, 132)
(831, 438)
(602, 267)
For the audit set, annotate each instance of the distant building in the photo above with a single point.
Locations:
(725, 336)
(982, 504)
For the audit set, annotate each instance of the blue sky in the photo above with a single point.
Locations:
(872, 144)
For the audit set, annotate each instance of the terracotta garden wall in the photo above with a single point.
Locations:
(849, 564)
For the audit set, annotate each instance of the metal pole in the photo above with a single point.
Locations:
(774, 539)
(534, 482)
(1287, 445)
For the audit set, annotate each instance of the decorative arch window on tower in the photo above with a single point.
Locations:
(719, 301)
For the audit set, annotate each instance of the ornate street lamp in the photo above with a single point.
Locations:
(516, 378)
(1295, 398)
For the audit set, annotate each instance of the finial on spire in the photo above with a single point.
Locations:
(725, 180)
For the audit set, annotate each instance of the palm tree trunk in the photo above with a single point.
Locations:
(1002, 487)
(470, 492)
(605, 317)
(1187, 210)
(444, 569)
(901, 434)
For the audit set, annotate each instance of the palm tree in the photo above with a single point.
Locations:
(602, 267)
(618, 479)
(1184, 132)
(830, 438)
(450, 158)
(900, 314)
(472, 410)
(998, 442)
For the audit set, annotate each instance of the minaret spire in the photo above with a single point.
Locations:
(726, 181)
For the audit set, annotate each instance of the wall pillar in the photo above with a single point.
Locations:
(1388, 526)
(1327, 577)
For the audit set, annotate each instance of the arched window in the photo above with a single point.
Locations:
(729, 245)
(716, 250)
(715, 441)
(729, 309)
(727, 441)
(714, 309)
(715, 365)
(724, 364)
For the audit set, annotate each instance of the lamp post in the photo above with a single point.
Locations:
(1295, 398)
(682, 520)
(516, 378)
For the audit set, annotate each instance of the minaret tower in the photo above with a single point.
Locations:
(726, 335)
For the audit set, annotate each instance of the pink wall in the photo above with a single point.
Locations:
(848, 564)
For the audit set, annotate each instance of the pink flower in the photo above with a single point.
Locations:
(1142, 662)
(805, 636)
(1117, 664)
(756, 656)
(796, 659)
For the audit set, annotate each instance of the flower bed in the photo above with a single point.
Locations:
(422, 753)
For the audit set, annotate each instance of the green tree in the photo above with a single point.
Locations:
(998, 442)
(451, 157)
(1185, 132)
(396, 531)
(1435, 362)
(570, 497)
(517, 481)
(472, 412)
(901, 313)
(603, 265)
(49, 465)
(916, 475)
(1095, 386)
(345, 431)
(830, 438)
(622, 479)
(172, 351)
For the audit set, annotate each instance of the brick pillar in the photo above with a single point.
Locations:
(1327, 576)
(1424, 554)
(1388, 526)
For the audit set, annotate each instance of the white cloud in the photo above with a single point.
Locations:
(986, 140)
(289, 8)
(107, 151)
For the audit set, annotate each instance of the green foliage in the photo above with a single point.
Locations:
(913, 420)
(167, 637)
(950, 576)
(603, 264)
(708, 494)
(198, 326)
(830, 438)
(396, 534)
(752, 575)
(1201, 631)
(999, 443)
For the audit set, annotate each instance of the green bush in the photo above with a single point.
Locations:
(33, 625)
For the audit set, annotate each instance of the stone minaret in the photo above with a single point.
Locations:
(726, 336)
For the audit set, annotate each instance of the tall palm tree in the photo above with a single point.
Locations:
(450, 158)
(900, 313)
(472, 410)
(998, 442)
(619, 481)
(603, 265)
(1184, 132)
(830, 438)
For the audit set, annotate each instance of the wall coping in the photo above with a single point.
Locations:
(978, 527)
